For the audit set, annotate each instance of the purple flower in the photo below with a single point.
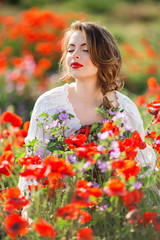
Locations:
(60, 110)
(100, 148)
(115, 152)
(120, 116)
(157, 141)
(111, 112)
(102, 208)
(86, 165)
(55, 124)
(102, 165)
(35, 117)
(40, 152)
(156, 169)
(71, 158)
(47, 141)
(127, 127)
(63, 116)
(95, 185)
(138, 185)
(104, 121)
(103, 136)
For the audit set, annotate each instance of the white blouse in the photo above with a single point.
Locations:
(57, 98)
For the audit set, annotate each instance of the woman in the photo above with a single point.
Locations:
(92, 58)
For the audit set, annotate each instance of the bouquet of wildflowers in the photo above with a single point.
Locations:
(86, 186)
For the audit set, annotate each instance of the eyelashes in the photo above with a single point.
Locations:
(84, 50)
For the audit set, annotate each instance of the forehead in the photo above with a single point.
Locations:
(77, 37)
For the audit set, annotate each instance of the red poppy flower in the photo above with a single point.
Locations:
(157, 144)
(110, 126)
(141, 100)
(115, 188)
(7, 156)
(136, 139)
(126, 146)
(132, 198)
(148, 217)
(58, 166)
(151, 134)
(8, 147)
(44, 229)
(129, 145)
(26, 126)
(38, 171)
(4, 133)
(13, 118)
(87, 151)
(8, 210)
(45, 48)
(27, 160)
(84, 216)
(15, 225)
(85, 234)
(83, 192)
(128, 168)
(15, 198)
(68, 212)
(5, 168)
(45, 63)
(72, 211)
(85, 130)
(152, 82)
(77, 141)
(157, 223)
(154, 108)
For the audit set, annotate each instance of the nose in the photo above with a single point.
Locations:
(76, 55)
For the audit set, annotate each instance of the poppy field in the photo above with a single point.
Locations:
(88, 185)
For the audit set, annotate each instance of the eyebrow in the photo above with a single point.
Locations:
(72, 45)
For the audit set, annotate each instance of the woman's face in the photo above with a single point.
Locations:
(78, 61)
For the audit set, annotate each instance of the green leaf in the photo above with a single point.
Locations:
(55, 116)
(144, 169)
(44, 115)
(150, 180)
(62, 223)
(94, 127)
(71, 116)
(19, 155)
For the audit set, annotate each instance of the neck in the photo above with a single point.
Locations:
(88, 92)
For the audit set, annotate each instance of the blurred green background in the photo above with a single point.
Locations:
(134, 23)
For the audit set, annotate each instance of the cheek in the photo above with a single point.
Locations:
(93, 68)
(67, 62)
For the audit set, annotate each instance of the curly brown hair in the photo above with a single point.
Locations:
(104, 54)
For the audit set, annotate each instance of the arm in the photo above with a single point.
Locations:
(34, 131)
(147, 156)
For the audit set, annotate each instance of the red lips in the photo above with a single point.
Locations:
(76, 65)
